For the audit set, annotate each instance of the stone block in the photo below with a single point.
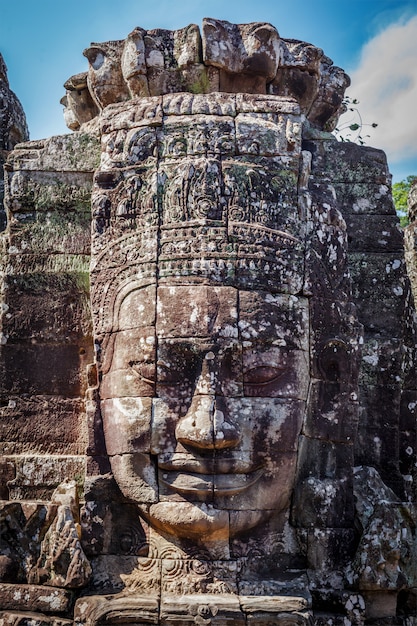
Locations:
(260, 191)
(204, 135)
(275, 609)
(219, 608)
(127, 425)
(247, 48)
(136, 476)
(281, 319)
(327, 107)
(19, 618)
(364, 237)
(296, 82)
(47, 307)
(324, 490)
(74, 265)
(34, 598)
(142, 608)
(50, 192)
(110, 570)
(77, 152)
(267, 135)
(189, 576)
(136, 309)
(346, 162)
(128, 363)
(335, 341)
(42, 425)
(364, 199)
(109, 524)
(198, 311)
(330, 549)
(134, 113)
(217, 103)
(42, 369)
(51, 232)
(380, 605)
(381, 362)
(380, 303)
(191, 190)
(38, 476)
(381, 405)
(332, 413)
(378, 433)
(280, 273)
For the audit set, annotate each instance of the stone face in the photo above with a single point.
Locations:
(219, 359)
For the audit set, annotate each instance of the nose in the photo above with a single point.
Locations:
(206, 426)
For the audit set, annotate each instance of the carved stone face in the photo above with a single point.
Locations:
(203, 396)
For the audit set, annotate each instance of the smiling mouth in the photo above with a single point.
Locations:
(216, 484)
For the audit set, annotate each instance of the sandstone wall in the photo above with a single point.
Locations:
(46, 339)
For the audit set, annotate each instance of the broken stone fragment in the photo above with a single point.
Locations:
(298, 75)
(385, 559)
(247, 54)
(328, 106)
(78, 103)
(62, 562)
(105, 78)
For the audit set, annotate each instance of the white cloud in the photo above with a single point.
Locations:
(385, 83)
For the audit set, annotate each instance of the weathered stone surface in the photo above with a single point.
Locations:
(34, 598)
(79, 105)
(299, 73)
(13, 128)
(250, 338)
(26, 427)
(43, 544)
(19, 618)
(383, 561)
(224, 57)
(36, 477)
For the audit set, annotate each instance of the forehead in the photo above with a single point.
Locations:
(208, 311)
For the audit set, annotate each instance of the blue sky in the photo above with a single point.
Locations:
(375, 41)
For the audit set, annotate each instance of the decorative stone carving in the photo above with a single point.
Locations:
(225, 57)
(79, 105)
(247, 353)
(41, 553)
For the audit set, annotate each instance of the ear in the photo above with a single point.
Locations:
(334, 361)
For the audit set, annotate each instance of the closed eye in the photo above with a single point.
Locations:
(262, 375)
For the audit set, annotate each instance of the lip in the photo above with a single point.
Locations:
(216, 465)
(218, 484)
